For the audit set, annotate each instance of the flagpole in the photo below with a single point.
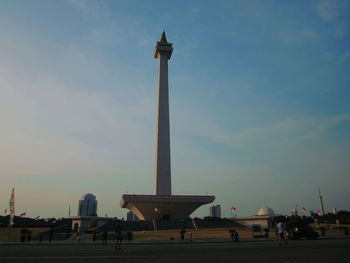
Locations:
(12, 206)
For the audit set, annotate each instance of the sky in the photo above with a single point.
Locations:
(259, 102)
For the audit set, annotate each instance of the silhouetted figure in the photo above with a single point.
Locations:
(51, 234)
(190, 235)
(236, 236)
(29, 236)
(68, 232)
(40, 236)
(104, 237)
(182, 234)
(118, 235)
(23, 235)
(281, 228)
(79, 236)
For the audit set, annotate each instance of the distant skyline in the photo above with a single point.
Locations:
(259, 102)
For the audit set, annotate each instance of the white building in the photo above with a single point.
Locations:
(264, 218)
(215, 211)
(87, 205)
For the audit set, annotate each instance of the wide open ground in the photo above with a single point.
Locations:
(325, 250)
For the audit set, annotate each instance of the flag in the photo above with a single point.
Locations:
(233, 208)
(6, 211)
(194, 224)
(303, 208)
(36, 218)
(12, 206)
(23, 214)
(319, 212)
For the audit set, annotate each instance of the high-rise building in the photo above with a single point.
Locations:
(87, 205)
(215, 211)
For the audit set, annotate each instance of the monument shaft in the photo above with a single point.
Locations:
(162, 204)
(162, 180)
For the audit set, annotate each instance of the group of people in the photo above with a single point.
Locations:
(118, 236)
(280, 232)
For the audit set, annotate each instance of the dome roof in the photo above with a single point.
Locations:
(265, 211)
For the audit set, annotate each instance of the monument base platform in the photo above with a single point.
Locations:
(167, 207)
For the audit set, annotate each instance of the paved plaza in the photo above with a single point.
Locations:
(324, 250)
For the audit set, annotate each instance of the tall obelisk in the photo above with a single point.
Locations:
(321, 201)
(162, 204)
(163, 51)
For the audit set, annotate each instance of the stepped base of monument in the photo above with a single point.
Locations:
(166, 207)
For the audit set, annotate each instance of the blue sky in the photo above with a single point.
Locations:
(259, 102)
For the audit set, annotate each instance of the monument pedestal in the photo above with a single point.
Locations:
(167, 207)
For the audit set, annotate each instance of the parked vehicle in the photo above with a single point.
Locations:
(301, 231)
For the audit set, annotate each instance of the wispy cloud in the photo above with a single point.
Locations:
(309, 33)
(329, 10)
(195, 10)
(87, 8)
(282, 132)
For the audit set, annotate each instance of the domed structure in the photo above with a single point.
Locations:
(265, 211)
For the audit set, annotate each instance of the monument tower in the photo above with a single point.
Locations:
(163, 51)
(162, 204)
(321, 201)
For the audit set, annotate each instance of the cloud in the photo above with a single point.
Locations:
(309, 33)
(340, 30)
(195, 10)
(284, 132)
(346, 54)
(329, 10)
(87, 8)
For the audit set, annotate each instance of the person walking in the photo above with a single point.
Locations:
(236, 236)
(104, 237)
(190, 235)
(281, 228)
(79, 236)
(118, 235)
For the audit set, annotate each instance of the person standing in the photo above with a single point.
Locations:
(104, 237)
(118, 235)
(281, 228)
(51, 234)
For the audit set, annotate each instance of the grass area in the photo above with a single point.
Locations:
(196, 234)
(14, 234)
